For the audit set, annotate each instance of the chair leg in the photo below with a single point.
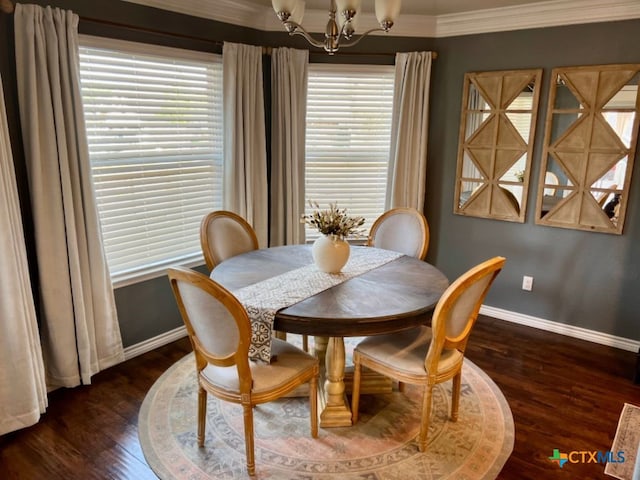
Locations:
(313, 406)
(455, 396)
(426, 416)
(305, 343)
(202, 415)
(248, 438)
(355, 393)
(401, 387)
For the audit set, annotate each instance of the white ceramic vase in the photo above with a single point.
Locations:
(330, 253)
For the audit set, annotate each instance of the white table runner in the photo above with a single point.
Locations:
(263, 299)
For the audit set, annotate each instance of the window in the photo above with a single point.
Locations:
(349, 110)
(154, 127)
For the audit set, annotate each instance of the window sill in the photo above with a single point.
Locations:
(150, 274)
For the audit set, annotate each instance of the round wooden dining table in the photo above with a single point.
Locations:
(398, 295)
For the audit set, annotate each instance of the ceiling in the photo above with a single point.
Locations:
(419, 18)
(424, 7)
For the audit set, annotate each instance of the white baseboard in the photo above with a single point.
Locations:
(155, 342)
(514, 317)
(562, 329)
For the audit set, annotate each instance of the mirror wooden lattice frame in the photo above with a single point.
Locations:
(588, 148)
(493, 144)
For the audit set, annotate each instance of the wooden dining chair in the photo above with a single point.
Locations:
(403, 230)
(220, 333)
(225, 234)
(425, 355)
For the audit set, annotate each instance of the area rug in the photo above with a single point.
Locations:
(380, 446)
(627, 440)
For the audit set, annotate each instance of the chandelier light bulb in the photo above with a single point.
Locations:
(387, 11)
(298, 12)
(284, 5)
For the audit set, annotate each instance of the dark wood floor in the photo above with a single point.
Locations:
(564, 393)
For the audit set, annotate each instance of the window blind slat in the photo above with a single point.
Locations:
(349, 111)
(154, 126)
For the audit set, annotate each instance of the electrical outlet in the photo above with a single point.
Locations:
(527, 283)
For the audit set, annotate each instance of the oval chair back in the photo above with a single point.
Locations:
(458, 309)
(217, 324)
(403, 230)
(225, 234)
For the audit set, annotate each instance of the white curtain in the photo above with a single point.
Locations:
(23, 393)
(289, 74)
(79, 328)
(245, 150)
(409, 128)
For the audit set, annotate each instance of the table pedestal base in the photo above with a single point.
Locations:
(334, 408)
(371, 383)
(335, 381)
(334, 415)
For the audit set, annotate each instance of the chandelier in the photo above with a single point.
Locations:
(341, 26)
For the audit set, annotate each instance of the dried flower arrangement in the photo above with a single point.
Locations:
(333, 221)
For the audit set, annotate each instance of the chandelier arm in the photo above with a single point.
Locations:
(299, 30)
(361, 36)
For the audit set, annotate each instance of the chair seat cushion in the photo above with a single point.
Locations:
(405, 352)
(289, 361)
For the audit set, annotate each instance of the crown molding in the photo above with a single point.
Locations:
(237, 12)
(544, 14)
(537, 15)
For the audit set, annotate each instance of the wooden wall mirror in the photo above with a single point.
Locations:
(589, 147)
(495, 144)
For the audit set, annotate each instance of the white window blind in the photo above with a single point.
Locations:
(522, 121)
(154, 126)
(349, 110)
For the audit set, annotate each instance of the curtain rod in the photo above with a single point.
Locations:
(154, 31)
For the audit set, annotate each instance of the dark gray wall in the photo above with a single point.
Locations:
(581, 278)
